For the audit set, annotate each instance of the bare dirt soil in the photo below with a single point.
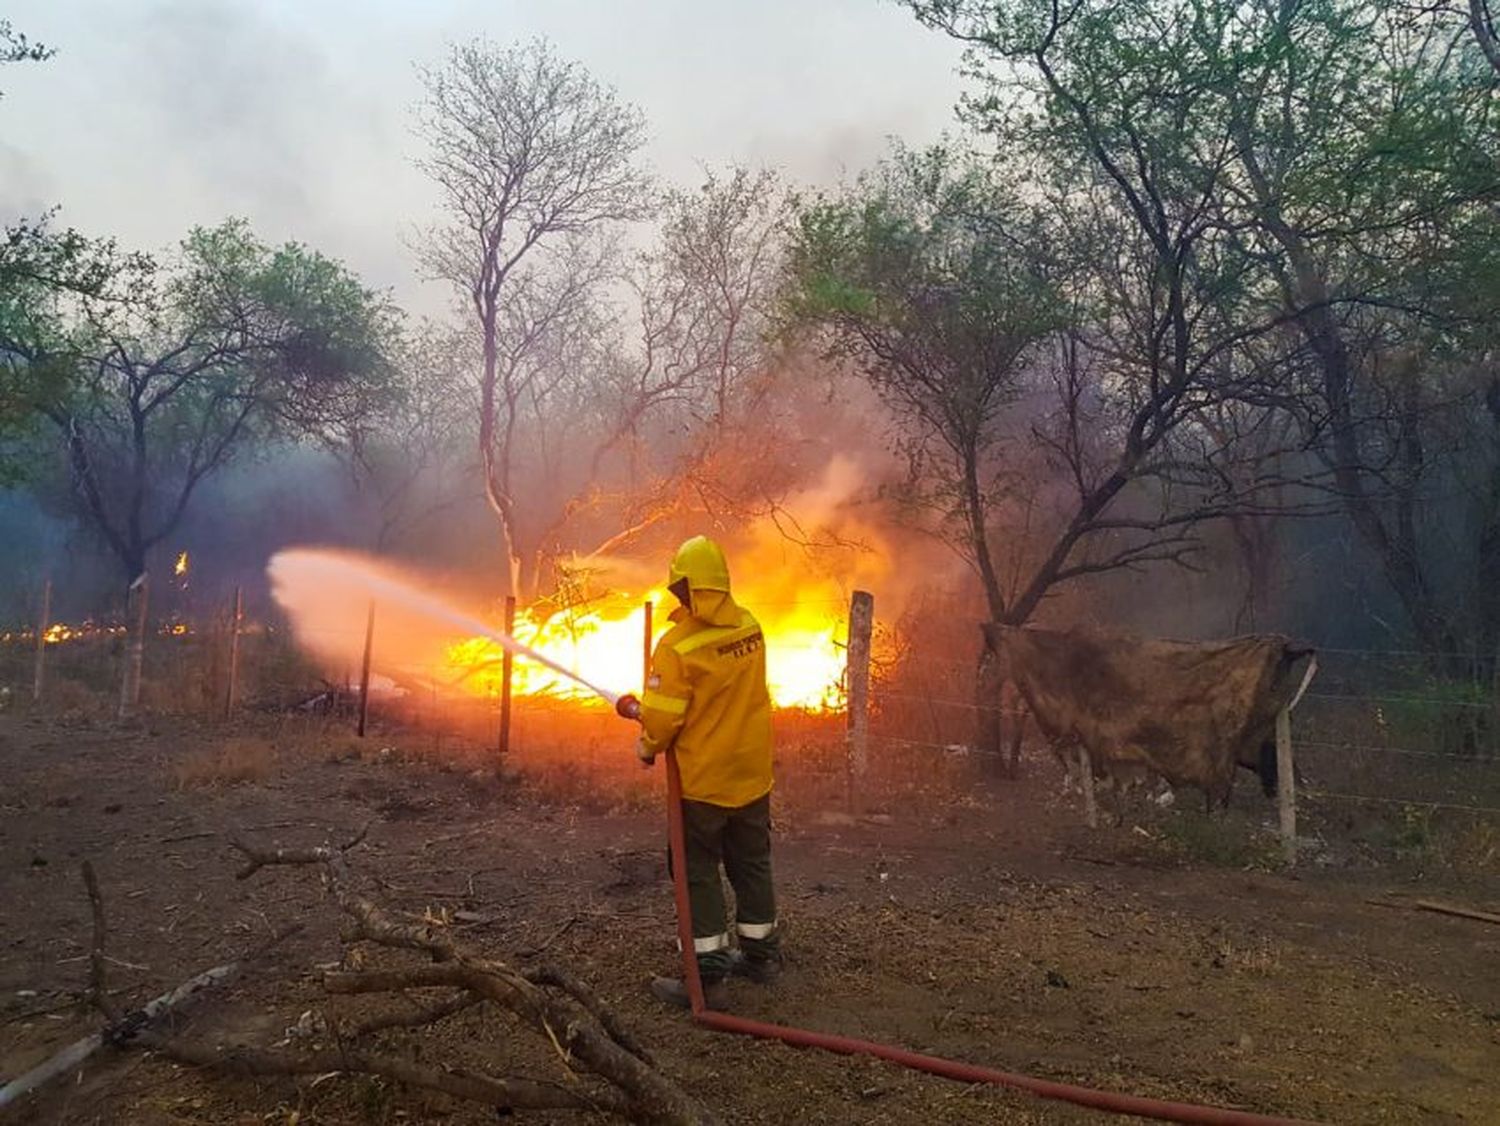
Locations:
(976, 921)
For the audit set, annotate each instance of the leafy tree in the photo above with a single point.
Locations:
(925, 276)
(186, 364)
(1342, 163)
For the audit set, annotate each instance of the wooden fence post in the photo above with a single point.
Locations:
(507, 667)
(234, 651)
(43, 623)
(1286, 784)
(1086, 785)
(861, 624)
(138, 598)
(364, 671)
(646, 658)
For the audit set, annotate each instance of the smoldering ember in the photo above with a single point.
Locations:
(855, 562)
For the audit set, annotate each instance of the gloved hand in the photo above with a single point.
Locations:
(628, 707)
(645, 754)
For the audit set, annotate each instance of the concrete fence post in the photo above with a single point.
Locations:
(649, 609)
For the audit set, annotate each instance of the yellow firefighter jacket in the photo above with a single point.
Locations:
(706, 696)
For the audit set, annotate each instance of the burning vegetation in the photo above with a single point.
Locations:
(1190, 333)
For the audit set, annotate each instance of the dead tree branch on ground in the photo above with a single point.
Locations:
(605, 1068)
(588, 1037)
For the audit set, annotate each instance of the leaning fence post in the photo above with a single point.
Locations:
(234, 650)
(43, 623)
(507, 667)
(1286, 784)
(861, 623)
(364, 671)
(139, 594)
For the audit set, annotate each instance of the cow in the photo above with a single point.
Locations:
(1191, 713)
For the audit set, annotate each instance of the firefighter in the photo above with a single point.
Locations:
(706, 699)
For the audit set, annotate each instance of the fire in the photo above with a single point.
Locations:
(59, 633)
(805, 649)
(180, 568)
(427, 635)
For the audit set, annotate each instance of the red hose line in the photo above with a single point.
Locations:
(1111, 1101)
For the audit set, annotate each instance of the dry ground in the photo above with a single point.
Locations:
(977, 922)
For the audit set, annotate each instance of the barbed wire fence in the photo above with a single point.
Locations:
(1377, 733)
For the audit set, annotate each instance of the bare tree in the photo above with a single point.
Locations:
(526, 149)
(687, 388)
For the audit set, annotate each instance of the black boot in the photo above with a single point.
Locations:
(673, 990)
(762, 971)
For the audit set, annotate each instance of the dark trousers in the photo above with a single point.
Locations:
(740, 841)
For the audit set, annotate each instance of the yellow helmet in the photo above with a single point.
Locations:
(701, 563)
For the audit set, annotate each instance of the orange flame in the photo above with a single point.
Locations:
(805, 648)
(594, 624)
(181, 566)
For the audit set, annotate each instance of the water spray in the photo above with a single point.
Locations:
(349, 574)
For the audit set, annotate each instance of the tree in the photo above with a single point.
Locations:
(191, 363)
(687, 424)
(1482, 26)
(39, 269)
(16, 48)
(926, 277)
(527, 150)
(1337, 153)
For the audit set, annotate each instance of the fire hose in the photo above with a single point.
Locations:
(629, 707)
(1111, 1101)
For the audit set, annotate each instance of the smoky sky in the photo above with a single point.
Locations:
(155, 116)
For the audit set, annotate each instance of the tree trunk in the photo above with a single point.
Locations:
(974, 513)
(1487, 561)
(1255, 537)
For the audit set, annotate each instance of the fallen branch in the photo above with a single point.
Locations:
(575, 988)
(119, 1031)
(122, 1028)
(503, 1094)
(1437, 907)
(1442, 908)
(606, 1068)
(424, 1015)
(549, 1000)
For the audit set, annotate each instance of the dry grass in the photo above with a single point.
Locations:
(1261, 957)
(240, 761)
(64, 696)
(1475, 849)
